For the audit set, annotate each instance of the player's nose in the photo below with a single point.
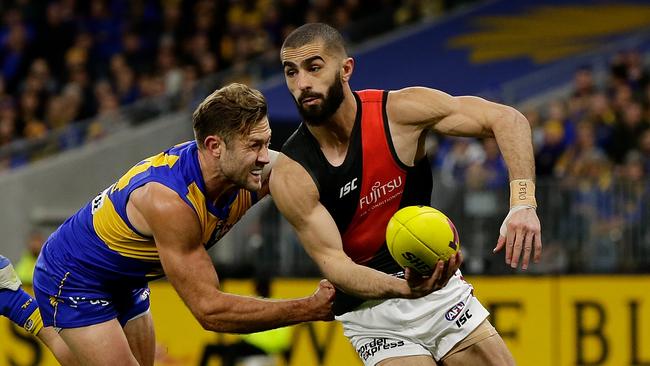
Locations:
(303, 81)
(263, 156)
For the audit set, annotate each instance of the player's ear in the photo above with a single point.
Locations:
(213, 144)
(347, 68)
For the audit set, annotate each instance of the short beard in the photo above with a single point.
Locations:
(317, 115)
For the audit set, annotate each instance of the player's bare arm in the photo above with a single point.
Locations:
(297, 198)
(411, 110)
(188, 267)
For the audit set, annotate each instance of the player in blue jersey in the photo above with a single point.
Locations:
(158, 219)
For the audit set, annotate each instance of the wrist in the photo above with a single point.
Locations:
(522, 193)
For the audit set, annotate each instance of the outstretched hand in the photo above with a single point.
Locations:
(519, 232)
(423, 285)
(323, 301)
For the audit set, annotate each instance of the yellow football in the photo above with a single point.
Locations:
(419, 236)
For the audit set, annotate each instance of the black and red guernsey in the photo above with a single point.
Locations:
(371, 184)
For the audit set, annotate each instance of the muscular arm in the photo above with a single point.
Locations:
(188, 267)
(412, 110)
(296, 196)
(424, 108)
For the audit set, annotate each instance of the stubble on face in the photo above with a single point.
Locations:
(318, 114)
(239, 161)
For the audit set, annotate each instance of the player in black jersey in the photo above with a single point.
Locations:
(355, 160)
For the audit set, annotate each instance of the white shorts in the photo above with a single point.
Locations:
(430, 325)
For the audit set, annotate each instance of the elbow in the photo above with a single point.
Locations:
(214, 317)
(204, 316)
(516, 118)
(508, 118)
(207, 316)
(205, 323)
(211, 323)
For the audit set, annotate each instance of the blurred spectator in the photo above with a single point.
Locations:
(54, 36)
(25, 265)
(598, 222)
(644, 150)
(604, 118)
(490, 172)
(557, 112)
(583, 89)
(552, 147)
(571, 165)
(633, 197)
(464, 153)
(626, 134)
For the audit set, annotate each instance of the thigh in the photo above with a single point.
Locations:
(102, 344)
(488, 351)
(408, 361)
(57, 346)
(141, 337)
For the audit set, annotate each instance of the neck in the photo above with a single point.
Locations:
(217, 187)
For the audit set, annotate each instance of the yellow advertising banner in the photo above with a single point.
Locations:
(545, 321)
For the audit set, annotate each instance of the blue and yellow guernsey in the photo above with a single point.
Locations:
(100, 245)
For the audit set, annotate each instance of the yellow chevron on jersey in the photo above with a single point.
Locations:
(154, 161)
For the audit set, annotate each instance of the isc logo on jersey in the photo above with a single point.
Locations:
(348, 187)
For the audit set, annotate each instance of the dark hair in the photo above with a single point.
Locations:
(312, 32)
(231, 110)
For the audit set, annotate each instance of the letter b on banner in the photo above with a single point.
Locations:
(589, 334)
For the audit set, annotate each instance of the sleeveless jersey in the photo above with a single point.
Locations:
(100, 242)
(369, 186)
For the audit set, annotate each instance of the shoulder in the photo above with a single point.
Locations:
(287, 170)
(158, 198)
(292, 188)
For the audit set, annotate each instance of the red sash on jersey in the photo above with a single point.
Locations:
(382, 183)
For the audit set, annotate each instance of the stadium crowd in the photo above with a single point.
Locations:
(592, 152)
(65, 61)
